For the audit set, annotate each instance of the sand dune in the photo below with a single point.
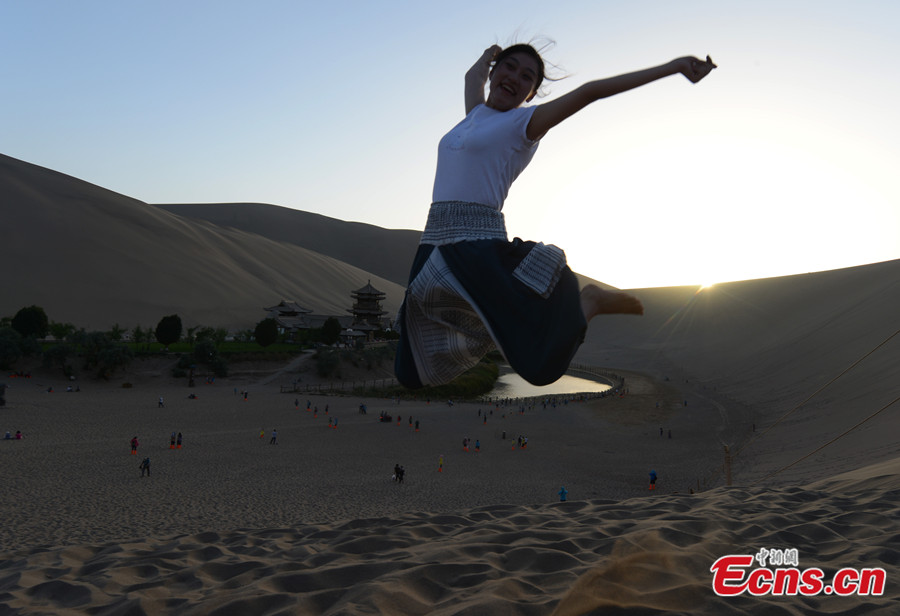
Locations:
(232, 525)
(580, 557)
(95, 258)
(757, 350)
(387, 253)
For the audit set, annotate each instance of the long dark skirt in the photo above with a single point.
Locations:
(464, 300)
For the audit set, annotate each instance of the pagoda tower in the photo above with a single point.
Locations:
(367, 310)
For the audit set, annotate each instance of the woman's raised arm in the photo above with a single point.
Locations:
(477, 76)
(551, 113)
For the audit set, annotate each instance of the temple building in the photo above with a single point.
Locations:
(367, 312)
(290, 317)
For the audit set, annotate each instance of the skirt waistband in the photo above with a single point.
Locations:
(460, 221)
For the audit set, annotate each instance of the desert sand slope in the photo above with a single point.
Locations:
(94, 258)
(231, 524)
(757, 349)
(569, 559)
(387, 253)
(384, 252)
(649, 556)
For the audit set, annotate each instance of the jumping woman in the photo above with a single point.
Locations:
(471, 289)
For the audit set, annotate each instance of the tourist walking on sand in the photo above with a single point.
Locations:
(274, 439)
(178, 441)
(562, 494)
(652, 480)
(145, 466)
(464, 252)
(134, 445)
(161, 404)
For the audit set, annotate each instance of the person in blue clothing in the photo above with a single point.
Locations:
(652, 480)
(562, 494)
(466, 273)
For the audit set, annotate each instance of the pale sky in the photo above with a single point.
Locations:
(784, 160)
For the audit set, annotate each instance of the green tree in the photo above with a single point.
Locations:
(10, 347)
(168, 331)
(31, 322)
(266, 332)
(331, 331)
(205, 352)
(191, 336)
(116, 332)
(103, 354)
(205, 333)
(219, 336)
(149, 334)
(137, 335)
(58, 355)
(61, 331)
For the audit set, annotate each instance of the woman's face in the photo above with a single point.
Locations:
(513, 81)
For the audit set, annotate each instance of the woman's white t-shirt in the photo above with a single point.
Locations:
(479, 159)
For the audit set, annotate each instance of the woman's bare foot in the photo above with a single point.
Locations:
(595, 300)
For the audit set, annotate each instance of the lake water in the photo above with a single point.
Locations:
(511, 385)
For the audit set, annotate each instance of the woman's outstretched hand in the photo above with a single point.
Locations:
(694, 69)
